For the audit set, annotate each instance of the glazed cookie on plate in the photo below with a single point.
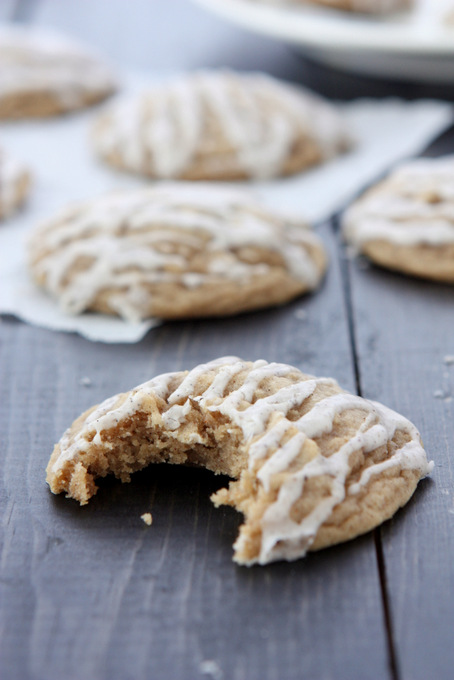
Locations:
(314, 465)
(14, 184)
(219, 126)
(44, 74)
(362, 6)
(406, 222)
(366, 6)
(174, 251)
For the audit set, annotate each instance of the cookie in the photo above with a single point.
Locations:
(406, 222)
(361, 6)
(44, 74)
(172, 252)
(14, 184)
(313, 465)
(219, 126)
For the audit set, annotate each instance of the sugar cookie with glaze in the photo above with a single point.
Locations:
(406, 222)
(313, 465)
(173, 252)
(15, 183)
(44, 74)
(219, 126)
(358, 6)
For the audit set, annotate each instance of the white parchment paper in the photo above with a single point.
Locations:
(65, 170)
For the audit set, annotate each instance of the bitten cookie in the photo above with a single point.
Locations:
(219, 126)
(14, 184)
(406, 222)
(44, 74)
(313, 465)
(174, 251)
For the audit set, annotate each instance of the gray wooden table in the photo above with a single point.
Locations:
(93, 594)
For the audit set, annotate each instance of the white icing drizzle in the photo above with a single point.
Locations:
(128, 239)
(40, 61)
(414, 205)
(161, 131)
(282, 537)
(12, 174)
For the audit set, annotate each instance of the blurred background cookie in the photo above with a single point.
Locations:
(406, 222)
(15, 183)
(172, 252)
(220, 125)
(367, 6)
(43, 74)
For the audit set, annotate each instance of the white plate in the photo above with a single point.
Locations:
(417, 44)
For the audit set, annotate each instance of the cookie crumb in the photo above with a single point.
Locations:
(211, 668)
(445, 395)
(85, 381)
(448, 359)
(147, 518)
(300, 314)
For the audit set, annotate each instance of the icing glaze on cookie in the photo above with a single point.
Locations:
(161, 132)
(38, 61)
(132, 238)
(414, 205)
(272, 439)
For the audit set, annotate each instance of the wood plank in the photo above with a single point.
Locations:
(7, 9)
(404, 328)
(93, 593)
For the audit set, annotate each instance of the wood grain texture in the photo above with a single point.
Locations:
(8, 9)
(94, 593)
(404, 330)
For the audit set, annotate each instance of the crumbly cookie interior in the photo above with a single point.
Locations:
(311, 464)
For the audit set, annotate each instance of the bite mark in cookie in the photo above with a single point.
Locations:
(313, 465)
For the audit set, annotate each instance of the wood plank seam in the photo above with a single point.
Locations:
(345, 265)
(381, 565)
